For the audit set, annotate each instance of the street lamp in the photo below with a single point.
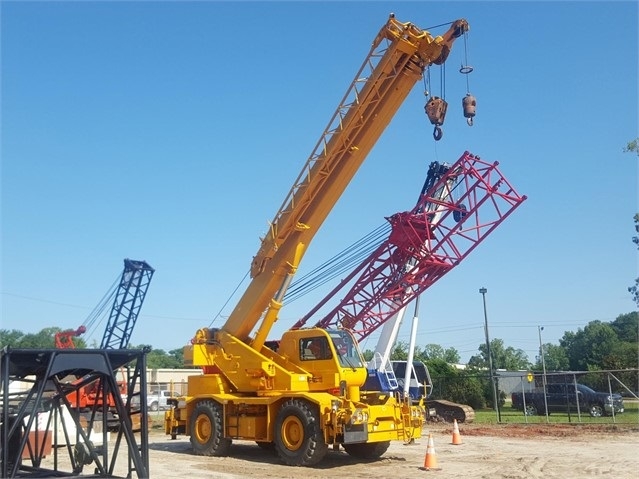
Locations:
(483, 292)
(543, 365)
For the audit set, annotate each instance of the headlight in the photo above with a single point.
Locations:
(359, 415)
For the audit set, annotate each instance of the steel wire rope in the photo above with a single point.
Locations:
(345, 256)
(356, 250)
(219, 313)
(345, 260)
(319, 276)
(338, 264)
(348, 257)
(466, 61)
(97, 315)
(440, 25)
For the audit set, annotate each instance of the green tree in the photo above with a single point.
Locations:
(454, 385)
(626, 355)
(159, 359)
(503, 357)
(589, 347)
(435, 351)
(633, 147)
(634, 289)
(44, 339)
(627, 327)
(10, 338)
(368, 355)
(555, 358)
(400, 351)
(178, 356)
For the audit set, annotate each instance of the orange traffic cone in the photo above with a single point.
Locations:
(456, 436)
(430, 461)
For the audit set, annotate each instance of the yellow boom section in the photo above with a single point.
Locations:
(396, 61)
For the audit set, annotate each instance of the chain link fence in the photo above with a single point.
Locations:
(554, 397)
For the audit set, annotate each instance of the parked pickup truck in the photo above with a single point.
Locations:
(568, 397)
(157, 400)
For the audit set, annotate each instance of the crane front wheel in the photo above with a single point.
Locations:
(367, 450)
(298, 434)
(207, 430)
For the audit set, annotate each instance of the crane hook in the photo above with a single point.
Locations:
(469, 104)
(437, 133)
(436, 111)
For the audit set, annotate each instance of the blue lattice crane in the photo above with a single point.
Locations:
(127, 303)
(126, 297)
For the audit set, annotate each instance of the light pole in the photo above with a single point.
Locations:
(543, 365)
(483, 292)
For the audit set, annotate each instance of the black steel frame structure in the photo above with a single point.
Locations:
(47, 378)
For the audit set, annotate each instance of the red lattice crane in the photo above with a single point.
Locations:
(424, 244)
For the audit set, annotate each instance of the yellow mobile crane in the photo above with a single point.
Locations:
(304, 395)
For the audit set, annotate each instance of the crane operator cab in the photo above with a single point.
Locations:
(332, 357)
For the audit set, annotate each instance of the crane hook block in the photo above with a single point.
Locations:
(469, 103)
(436, 110)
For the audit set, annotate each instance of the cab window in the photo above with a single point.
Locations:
(348, 353)
(315, 348)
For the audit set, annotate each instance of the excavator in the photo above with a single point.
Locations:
(307, 395)
(459, 206)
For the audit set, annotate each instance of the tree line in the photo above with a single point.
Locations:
(598, 346)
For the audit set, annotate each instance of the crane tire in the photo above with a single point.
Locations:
(367, 450)
(299, 439)
(207, 430)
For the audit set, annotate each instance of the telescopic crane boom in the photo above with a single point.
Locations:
(397, 59)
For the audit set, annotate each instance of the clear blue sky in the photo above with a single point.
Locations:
(170, 132)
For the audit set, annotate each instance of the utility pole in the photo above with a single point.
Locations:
(483, 292)
(543, 365)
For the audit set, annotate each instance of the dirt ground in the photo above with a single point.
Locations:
(495, 452)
